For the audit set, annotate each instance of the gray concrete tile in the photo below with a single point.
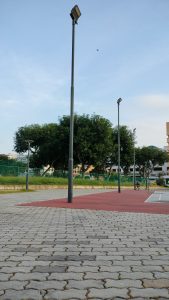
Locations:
(74, 254)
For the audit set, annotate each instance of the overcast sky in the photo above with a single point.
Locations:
(122, 50)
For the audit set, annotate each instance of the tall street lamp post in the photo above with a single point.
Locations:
(118, 104)
(75, 14)
(27, 172)
(134, 160)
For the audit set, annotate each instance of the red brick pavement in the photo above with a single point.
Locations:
(126, 201)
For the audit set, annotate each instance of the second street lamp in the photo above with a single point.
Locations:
(118, 104)
(75, 14)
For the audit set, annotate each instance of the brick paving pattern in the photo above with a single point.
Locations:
(127, 201)
(68, 254)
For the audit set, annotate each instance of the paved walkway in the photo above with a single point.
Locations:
(58, 253)
(16, 198)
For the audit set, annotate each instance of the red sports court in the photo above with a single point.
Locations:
(126, 201)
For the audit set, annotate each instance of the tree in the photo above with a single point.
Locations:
(126, 148)
(148, 157)
(48, 152)
(50, 146)
(101, 142)
(92, 140)
(33, 132)
(44, 146)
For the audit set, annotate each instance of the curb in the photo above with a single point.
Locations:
(51, 187)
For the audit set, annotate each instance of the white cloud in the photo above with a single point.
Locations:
(151, 132)
(154, 101)
(148, 114)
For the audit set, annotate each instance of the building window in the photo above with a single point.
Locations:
(158, 169)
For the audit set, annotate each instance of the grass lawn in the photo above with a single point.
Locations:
(6, 180)
(60, 182)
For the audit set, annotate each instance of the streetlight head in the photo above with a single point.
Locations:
(119, 100)
(75, 13)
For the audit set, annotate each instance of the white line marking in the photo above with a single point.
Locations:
(149, 198)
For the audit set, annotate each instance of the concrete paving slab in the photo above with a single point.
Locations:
(14, 198)
(60, 253)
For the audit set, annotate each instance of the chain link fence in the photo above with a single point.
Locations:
(6, 170)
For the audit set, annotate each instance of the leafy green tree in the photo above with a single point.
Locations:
(44, 145)
(148, 157)
(48, 152)
(34, 132)
(92, 140)
(126, 148)
(101, 142)
(50, 146)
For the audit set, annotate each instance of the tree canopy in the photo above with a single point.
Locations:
(50, 142)
(126, 148)
(95, 143)
(148, 157)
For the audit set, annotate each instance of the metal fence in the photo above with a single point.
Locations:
(6, 170)
(18, 171)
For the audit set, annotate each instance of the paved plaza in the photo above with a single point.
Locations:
(49, 253)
